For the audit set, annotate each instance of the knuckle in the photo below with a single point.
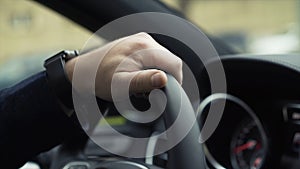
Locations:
(144, 35)
(178, 63)
(141, 40)
(140, 44)
(135, 45)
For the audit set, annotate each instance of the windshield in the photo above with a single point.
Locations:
(249, 26)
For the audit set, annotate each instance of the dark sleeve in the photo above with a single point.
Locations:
(31, 121)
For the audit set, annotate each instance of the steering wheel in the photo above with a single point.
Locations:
(188, 153)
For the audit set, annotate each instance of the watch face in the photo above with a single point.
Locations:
(57, 79)
(65, 55)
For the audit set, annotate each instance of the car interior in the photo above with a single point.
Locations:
(259, 127)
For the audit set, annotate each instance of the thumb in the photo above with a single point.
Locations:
(147, 80)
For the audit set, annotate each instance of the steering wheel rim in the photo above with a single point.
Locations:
(188, 153)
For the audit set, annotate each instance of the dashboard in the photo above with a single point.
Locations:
(260, 125)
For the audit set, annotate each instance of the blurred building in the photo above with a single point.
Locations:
(247, 20)
(27, 28)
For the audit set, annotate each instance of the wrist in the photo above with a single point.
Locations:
(69, 68)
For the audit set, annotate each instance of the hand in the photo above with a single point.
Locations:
(141, 58)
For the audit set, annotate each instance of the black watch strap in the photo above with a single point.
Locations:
(57, 78)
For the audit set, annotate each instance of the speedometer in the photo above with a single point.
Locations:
(248, 146)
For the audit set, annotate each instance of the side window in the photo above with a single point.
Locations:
(246, 25)
(29, 34)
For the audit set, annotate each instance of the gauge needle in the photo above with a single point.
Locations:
(250, 144)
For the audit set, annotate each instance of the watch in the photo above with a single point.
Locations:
(57, 78)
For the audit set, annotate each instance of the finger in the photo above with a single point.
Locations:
(160, 58)
(147, 80)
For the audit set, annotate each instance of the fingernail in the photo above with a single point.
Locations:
(156, 80)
